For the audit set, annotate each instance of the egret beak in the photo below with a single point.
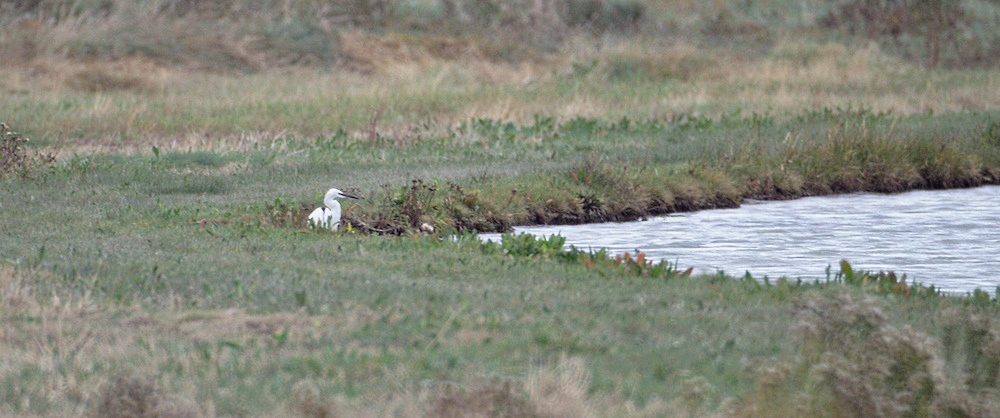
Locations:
(350, 196)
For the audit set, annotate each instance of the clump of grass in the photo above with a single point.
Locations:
(607, 190)
(423, 207)
(308, 402)
(882, 282)
(527, 246)
(407, 209)
(415, 203)
(21, 42)
(561, 390)
(602, 15)
(213, 36)
(616, 192)
(124, 75)
(867, 367)
(595, 189)
(127, 396)
(287, 215)
(991, 133)
(723, 24)
(530, 246)
(856, 156)
(972, 347)
(14, 158)
(933, 32)
(15, 294)
(681, 61)
(12, 154)
(942, 166)
(855, 362)
(860, 151)
(494, 399)
(469, 211)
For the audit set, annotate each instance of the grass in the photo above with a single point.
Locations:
(154, 259)
(236, 113)
(355, 326)
(180, 270)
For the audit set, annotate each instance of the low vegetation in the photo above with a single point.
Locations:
(14, 157)
(187, 283)
(691, 164)
(155, 259)
(491, 336)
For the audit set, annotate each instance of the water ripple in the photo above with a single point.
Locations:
(948, 238)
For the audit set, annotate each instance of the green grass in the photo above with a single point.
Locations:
(190, 272)
(227, 113)
(157, 263)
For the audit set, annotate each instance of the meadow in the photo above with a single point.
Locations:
(155, 259)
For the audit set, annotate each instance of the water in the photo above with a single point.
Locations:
(946, 238)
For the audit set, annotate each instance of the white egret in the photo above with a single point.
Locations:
(329, 216)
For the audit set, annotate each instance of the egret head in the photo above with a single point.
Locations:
(337, 193)
(334, 194)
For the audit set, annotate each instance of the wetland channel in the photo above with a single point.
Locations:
(946, 238)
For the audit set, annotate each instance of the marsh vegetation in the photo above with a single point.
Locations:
(154, 258)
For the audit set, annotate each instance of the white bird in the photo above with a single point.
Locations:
(329, 216)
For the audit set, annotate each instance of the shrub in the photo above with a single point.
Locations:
(529, 246)
(870, 368)
(14, 158)
(932, 31)
(602, 16)
(855, 362)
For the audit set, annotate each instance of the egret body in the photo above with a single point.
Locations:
(328, 216)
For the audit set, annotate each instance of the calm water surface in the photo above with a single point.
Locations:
(948, 238)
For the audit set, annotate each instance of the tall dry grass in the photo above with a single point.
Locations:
(855, 362)
(129, 106)
(200, 74)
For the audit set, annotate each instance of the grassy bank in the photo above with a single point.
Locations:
(587, 171)
(187, 281)
(154, 258)
(186, 321)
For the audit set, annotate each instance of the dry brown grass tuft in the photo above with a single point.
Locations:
(15, 295)
(308, 402)
(854, 362)
(140, 397)
(680, 61)
(494, 399)
(14, 158)
(21, 43)
(869, 367)
(456, 60)
(561, 391)
(825, 64)
(556, 391)
(381, 55)
(132, 74)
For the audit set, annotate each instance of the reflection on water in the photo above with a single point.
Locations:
(948, 238)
